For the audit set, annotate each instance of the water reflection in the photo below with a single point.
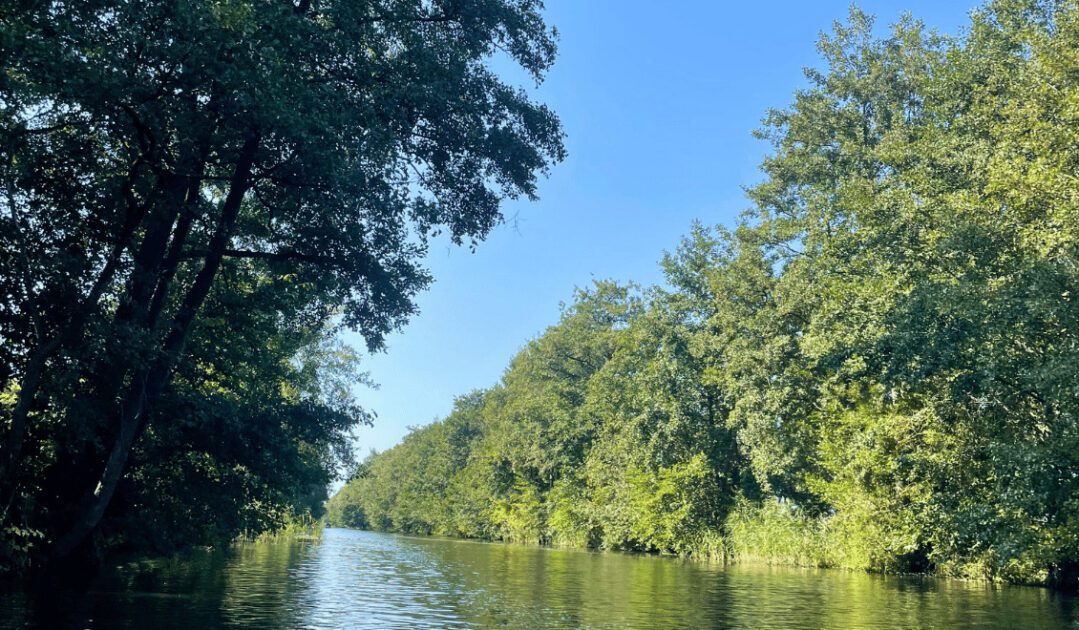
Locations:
(366, 580)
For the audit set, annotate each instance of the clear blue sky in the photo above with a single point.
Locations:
(658, 100)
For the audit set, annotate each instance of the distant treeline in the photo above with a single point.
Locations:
(878, 368)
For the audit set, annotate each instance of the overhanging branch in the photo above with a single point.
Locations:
(281, 256)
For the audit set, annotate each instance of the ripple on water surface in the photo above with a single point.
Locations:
(368, 580)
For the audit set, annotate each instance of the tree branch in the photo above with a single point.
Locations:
(281, 256)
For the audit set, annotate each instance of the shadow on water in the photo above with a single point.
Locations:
(362, 579)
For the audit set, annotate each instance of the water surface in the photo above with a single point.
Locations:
(358, 579)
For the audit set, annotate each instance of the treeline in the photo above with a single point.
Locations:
(195, 197)
(876, 369)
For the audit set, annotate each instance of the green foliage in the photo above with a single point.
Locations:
(194, 197)
(294, 527)
(776, 532)
(875, 369)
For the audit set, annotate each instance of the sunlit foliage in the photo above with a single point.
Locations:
(875, 369)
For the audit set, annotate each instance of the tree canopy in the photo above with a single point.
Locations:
(875, 369)
(193, 195)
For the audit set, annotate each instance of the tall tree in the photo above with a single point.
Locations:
(146, 146)
(876, 368)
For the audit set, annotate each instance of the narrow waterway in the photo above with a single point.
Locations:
(358, 579)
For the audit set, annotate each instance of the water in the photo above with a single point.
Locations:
(367, 580)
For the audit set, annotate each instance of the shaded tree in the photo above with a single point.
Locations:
(149, 151)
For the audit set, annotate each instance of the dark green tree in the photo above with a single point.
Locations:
(147, 149)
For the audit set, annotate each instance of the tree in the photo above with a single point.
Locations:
(932, 267)
(874, 369)
(146, 149)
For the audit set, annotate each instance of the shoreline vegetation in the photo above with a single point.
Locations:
(717, 553)
(876, 369)
(302, 527)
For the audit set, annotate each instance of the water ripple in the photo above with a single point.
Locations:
(367, 580)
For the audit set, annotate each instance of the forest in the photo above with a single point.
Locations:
(877, 368)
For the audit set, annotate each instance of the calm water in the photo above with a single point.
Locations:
(366, 580)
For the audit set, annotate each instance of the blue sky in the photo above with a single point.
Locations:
(658, 100)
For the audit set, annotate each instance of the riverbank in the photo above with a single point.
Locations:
(776, 535)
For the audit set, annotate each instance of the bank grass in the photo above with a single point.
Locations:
(303, 527)
(712, 546)
(778, 533)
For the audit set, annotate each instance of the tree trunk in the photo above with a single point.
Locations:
(148, 384)
(150, 255)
